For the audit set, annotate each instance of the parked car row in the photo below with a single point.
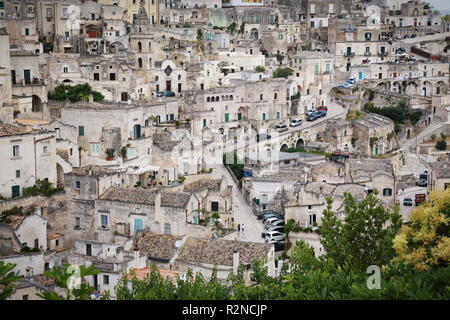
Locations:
(274, 232)
(316, 115)
(348, 84)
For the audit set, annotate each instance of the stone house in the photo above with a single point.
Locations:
(125, 211)
(214, 195)
(439, 177)
(202, 256)
(159, 249)
(26, 156)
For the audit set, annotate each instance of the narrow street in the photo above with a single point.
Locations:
(242, 212)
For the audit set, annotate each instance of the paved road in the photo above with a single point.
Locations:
(242, 212)
(409, 193)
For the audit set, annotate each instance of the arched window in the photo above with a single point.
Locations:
(150, 62)
(208, 99)
(179, 77)
(140, 62)
(156, 78)
(139, 47)
(231, 98)
(387, 192)
(149, 46)
(217, 99)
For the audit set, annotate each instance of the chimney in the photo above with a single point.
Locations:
(159, 215)
(91, 98)
(235, 261)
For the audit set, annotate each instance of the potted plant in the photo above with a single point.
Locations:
(109, 154)
(123, 153)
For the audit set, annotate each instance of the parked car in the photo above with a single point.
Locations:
(272, 219)
(260, 214)
(322, 113)
(419, 198)
(277, 223)
(312, 117)
(407, 202)
(366, 61)
(271, 215)
(275, 236)
(308, 113)
(274, 228)
(422, 183)
(280, 128)
(322, 108)
(279, 229)
(351, 81)
(279, 245)
(295, 122)
(424, 175)
(169, 94)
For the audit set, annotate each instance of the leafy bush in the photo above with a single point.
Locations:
(441, 145)
(79, 92)
(42, 187)
(260, 69)
(282, 73)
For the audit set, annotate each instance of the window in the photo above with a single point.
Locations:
(77, 184)
(96, 76)
(65, 13)
(16, 151)
(167, 228)
(312, 219)
(95, 149)
(105, 279)
(81, 131)
(65, 70)
(104, 221)
(275, 96)
(138, 225)
(264, 198)
(25, 297)
(27, 31)
(17, 173)
(387, 192)
(77, 223)
(112, 76)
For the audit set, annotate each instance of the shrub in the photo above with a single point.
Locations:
(110, 153)
(260, 69)
(443, 136)
(282, 73)
(79, 92)
(441, 145)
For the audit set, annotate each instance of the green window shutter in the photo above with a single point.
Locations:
(81, 131)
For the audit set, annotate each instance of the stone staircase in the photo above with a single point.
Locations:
(413, 165)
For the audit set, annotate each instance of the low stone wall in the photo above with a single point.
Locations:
(23, 202)
(198, 231)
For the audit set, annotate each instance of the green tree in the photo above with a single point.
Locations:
(7, 279)
(231, 29)
(64, 276)
(364, 237)
(260, 69)
(441, 145)
(282, 73)
(199, 34)
(79, 92)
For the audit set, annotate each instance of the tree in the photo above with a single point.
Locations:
(231, 29)
(199, 34)
(282, 73)
(7, 279)
(260, 69)
(441, 145)
(79, 92)
(424, 242)
(70, 278)
(364, 237)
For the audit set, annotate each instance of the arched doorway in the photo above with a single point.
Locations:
(254, 34)
(284, 147)
(300, 143)
(59, 176)
(440, 88)
(36, 104)
(427, 89)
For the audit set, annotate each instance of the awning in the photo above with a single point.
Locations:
(146, 169)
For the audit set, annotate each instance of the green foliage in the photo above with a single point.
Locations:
(79, 92)
(29, 250)
(441, 145)
(282, 73)
(231, 29)
(260, 69)
(397, 114)
(7, 279)
(63, 276)
(199, 34)
(443, 136)
(41, 188)
(237, 165)
(242, 28)
(364, 237)
(110, 153)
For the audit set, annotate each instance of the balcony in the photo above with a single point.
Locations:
(382, 54)
(349, 54)
(367, 54)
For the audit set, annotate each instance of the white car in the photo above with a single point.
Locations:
(275, 236)
(296, 122)
(270, 220)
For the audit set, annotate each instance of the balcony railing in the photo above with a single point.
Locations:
(382, 54)
(349, 54)
(367, 54)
